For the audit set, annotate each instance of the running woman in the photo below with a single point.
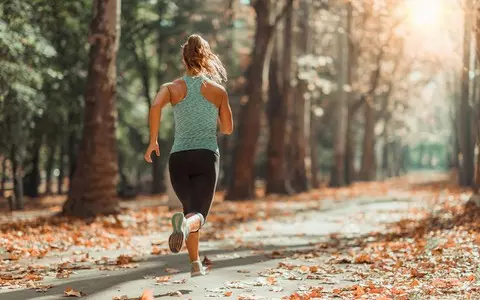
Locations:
(200, 107)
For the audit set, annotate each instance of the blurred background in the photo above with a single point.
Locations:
(324, 92)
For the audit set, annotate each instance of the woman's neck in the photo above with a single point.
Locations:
(191, 74)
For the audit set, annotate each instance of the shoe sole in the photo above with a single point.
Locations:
(176, 239)
(197, 274)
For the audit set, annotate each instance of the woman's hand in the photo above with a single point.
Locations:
(152, 147)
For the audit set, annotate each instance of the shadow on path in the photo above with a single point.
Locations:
(99, 281)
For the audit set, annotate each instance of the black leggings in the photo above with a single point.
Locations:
(194, 175)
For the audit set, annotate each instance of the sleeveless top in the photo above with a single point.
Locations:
(195, 119)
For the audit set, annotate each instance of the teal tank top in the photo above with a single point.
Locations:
(195, 119)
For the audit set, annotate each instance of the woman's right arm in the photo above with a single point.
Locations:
(160, 101)
(225, 115)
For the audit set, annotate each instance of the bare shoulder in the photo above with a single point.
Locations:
(215, 88)
(176, 84)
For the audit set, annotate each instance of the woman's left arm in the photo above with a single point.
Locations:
(160, 101)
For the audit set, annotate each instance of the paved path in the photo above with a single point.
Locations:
(243, 262)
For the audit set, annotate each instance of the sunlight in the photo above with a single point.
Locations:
(424, 13)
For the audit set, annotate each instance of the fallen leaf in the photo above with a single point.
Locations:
(272, 280)
(124, 259)
(43, 288)
(276, 289)
(69, 292)
(227, 293)
(162, 279)
(359, 291)
(363, 259)
(147, 295)
(207, 262)
(181, 281)
(122, 297)
(158, 251)
(172, 271)
(304, 269)
(33, 277)
(63, 274)
(414, 283)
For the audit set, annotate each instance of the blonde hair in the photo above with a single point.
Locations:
(200, 59)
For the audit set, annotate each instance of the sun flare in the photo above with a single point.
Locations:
(425, 13)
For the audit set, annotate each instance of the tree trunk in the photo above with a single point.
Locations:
(277, 178)
(225, 140)
(338, 169)
(314, 150)
(466, 147)
(385, 153)
(350, 173)
(72, 153)
(276, 181)
(300, 180)
(61, 168)
(367, 172)
(49, 168)
(242, 185)
(17, 177)
(4, 177)
(31, 180)
(93, 186)
(301, 118)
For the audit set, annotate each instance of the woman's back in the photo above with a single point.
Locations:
(195, 115)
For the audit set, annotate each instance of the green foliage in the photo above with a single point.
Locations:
(24, 56)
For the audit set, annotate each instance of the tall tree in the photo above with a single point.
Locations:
(278, 104)
(475, 200)
(93, 187)
(243, 181)
(3, 178)
(301, 117)
(337, 177)
(466, 147)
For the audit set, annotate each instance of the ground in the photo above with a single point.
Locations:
(408, 238)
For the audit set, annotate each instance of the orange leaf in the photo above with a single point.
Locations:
(304, 269)
(359, 291)
(471, 277)
(162, 279)
(271, 280)
(158, 251)
(33, 277)
(227, 294)
(414, 283)
(363, 259)
(124, 259)
(147, 295)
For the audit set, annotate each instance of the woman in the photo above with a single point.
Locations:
(200, 104)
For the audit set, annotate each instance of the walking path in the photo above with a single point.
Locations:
(299, 251)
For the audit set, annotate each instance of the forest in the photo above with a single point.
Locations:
(323, 93)
(353, 170)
